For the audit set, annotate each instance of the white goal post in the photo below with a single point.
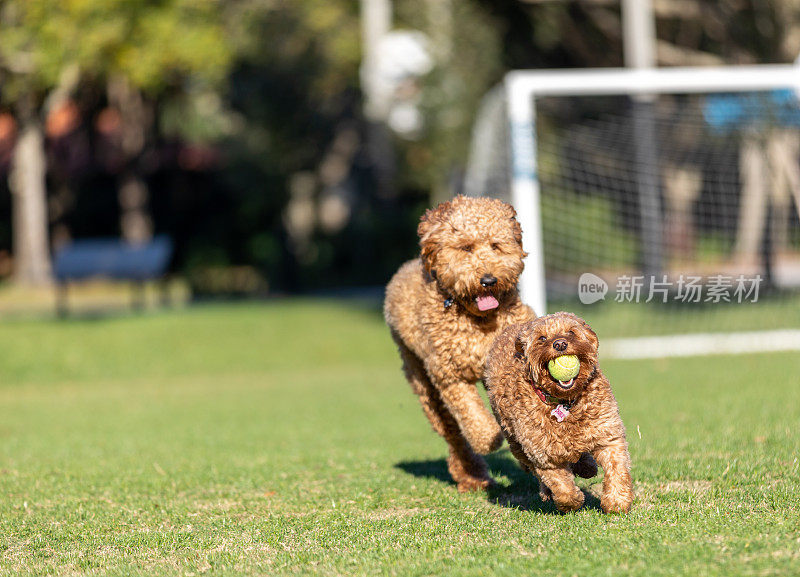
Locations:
(524, 87)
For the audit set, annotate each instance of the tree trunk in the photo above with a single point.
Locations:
(29, 198)
(682, 188)
(753, 204)
(783, 150)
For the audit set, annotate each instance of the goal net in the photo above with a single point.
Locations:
(660, 206)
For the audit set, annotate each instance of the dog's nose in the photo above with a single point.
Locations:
(560, 345)
(488, 280)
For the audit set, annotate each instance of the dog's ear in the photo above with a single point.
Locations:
(588, 333)
(519, 348)
(592, 335)
(429, 225)
(512, 216)
(521, 343)
(518, 235)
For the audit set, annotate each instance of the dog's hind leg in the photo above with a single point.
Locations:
(466, 468)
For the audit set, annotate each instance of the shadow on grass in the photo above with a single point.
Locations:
(522, 493)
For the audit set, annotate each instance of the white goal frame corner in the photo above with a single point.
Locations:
(523, 87)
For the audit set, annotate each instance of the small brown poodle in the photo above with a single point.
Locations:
(552, 424)
(445, 310)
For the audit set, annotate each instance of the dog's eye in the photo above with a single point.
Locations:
(467, 248)
(495, 246)
(542, 339)
(571, 332)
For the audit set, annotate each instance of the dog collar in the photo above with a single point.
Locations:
(560, 407)
(549, 399)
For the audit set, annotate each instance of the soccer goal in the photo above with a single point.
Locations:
(659, 204)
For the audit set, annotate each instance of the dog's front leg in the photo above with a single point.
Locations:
(561, 483)
(476, 423)
(617, 484)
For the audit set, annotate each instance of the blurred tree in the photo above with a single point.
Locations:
(247, 113)
(588, 33)
(141, 49)
(172, 49)
(466, 46)
(296, 84)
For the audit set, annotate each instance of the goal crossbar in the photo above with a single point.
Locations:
(523, 87)
(599, 81)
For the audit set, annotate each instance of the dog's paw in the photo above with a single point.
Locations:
(469, 472)
(615, 504)
(569, 502)
(471, 484)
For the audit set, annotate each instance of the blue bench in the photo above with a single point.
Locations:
(114, 259)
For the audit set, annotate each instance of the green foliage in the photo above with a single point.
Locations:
(151, 43)
(296, 63)
(169, 39)
(198, 116)
(294, 86)
(282, 439)
(317, 41)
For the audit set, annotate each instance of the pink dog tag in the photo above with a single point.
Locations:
(560, 412)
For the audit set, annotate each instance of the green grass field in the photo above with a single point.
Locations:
(281, 438)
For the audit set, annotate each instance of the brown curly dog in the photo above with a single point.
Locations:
(551, 424)
(445, 310)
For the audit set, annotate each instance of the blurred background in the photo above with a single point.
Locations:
(285, 147)
(254, 150)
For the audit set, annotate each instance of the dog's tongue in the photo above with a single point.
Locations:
(487, 302)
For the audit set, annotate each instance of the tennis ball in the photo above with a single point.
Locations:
(565, 367)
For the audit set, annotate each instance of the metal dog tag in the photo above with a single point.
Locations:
(560, 412)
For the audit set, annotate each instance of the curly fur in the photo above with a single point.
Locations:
(441, 333)
(555, 451)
